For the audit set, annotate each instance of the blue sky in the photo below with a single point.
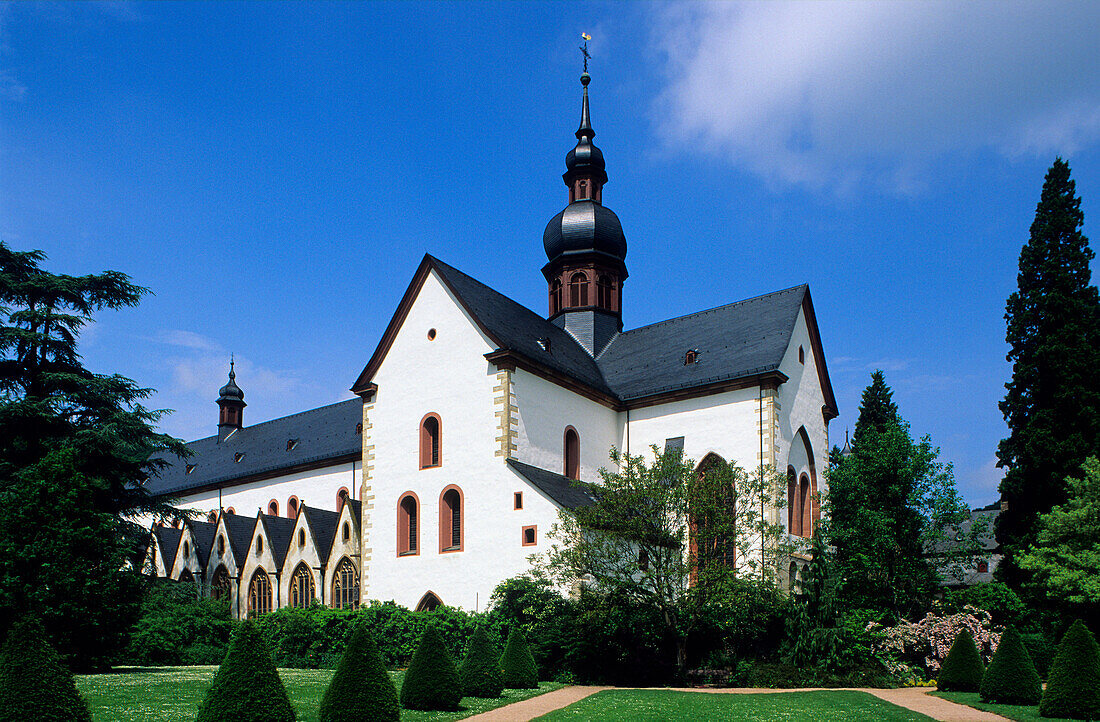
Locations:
(275, 171)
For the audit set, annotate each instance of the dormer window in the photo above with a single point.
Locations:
(238, 456)
(545, 344)
(190, 468)
(291, 444)
(691, 357)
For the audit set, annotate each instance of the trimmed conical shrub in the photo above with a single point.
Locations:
(431, 681)
(1011, 677)
(1073, 685)
(518, 664)
(962, 670)
(34, 684)
(246, 687)
(361, 690)
(480, 671)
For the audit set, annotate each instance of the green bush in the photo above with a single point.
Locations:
(1011, 677)
(1073, 686)
(1041, 652)
(517, 664)
(431, 682)
(997, 598)
(614, 640)
(546, 617)
(962, 669)
(176, 627)
(34, 685)
(789, 676)
(480, 670)
(246, 687)
(361, 690)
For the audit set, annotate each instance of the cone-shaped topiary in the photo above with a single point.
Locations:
(1011, 677)
(517, 663)
(1073, 685)
(246, 687)
(361, 690)
(962, 670)
(431, 681)
(34, 684)
(480, 670)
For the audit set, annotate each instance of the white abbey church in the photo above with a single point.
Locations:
(473, 417)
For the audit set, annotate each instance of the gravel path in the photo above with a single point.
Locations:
(914, 698)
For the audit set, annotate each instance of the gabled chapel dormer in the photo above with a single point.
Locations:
(230, 406)
(586, 248)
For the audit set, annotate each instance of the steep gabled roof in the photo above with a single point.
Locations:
(325, 433)
(561, 489)
(203, 534)
(356, 511)
(280, 532)
(739, 339)
(322, 525)
(168, 542)
(239, 530)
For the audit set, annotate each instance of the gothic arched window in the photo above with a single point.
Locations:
(219, 584)
(572, 453)
(345, 585)
(428, 602)
(301, 587)
(450, 519)
(794, 516)
(430, 447)
(408, 525)
(259, 593)
(605, 293)
(578, 290)
(804, 506)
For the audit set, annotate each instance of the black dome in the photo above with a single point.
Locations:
(231, 391)
(586, 156)
(584, 226)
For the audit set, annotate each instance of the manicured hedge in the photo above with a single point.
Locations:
(1073, 686)
(34, 685)
(1011, 677)
(431, 681)
(962, 669)
(361, 690)
(480, 670)
(517, 664)
(246, 687)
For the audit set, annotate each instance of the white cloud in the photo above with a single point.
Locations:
(828, 94)
(187, 339)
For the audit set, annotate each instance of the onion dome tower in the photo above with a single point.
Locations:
(230, 406)
(585, 246)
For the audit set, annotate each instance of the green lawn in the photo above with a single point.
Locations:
(173, 694)
(640, 705)
(1022, 713)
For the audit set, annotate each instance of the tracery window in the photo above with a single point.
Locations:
(578, 290)
(408, 525)
(301, 587)
(345, 585)
(259, 593)
(219, 584)
(450, 520)
(572, 453)
(430, 432)
(605, 293)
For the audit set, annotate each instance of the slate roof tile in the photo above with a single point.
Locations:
(322, 524)
(561, 489)
(168, 542)
(239, 530)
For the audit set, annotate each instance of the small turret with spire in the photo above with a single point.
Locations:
(230, 405)
(585, 244)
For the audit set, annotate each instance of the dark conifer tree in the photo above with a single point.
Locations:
(517, 662)
(34, 685)
(1052, 406)
(1073, 685)
(1011, 677)
(431, 681)
(480, 670)
(877, 410)
(246, 687)
(361, 690)
(962, 669)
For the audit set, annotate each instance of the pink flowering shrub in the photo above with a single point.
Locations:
(920, 647)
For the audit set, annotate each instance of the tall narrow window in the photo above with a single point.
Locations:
(572, 453)
(450, 520)
(604, 293)
(794, 517)
(555, 296)
(219, 584)
(342, 497)
(578, 290)
(804, 505)
(292, 507)
(301, 587)
(345, 586)
(259, 593)
(430, 433)
(273, 508)
(408, 526)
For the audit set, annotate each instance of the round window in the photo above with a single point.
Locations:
(431, 334)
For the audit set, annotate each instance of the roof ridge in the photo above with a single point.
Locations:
(277, 418)
(711, 310)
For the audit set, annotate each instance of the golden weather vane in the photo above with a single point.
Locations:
(584, 50)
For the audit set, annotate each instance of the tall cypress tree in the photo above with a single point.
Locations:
(877, 410)
(1052, 406)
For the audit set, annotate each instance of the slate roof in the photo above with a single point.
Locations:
(327, 432)
(986, 516)
(356, 511)
(168, 542)
(203, 534)
(322, 524)
(239, 530)
(559, 488)
(280, 532)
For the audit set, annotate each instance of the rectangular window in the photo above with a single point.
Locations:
(530, 536)
(519, 500)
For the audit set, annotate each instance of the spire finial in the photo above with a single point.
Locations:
(585, 130)
(232, 373)
(584, 51)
